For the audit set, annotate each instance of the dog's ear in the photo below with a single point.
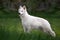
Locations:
(24, 7)
(20, 7)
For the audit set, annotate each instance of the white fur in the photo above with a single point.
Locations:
(31, 22)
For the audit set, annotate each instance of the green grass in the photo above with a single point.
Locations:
(11, 27)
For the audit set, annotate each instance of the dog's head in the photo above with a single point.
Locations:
(22, 9)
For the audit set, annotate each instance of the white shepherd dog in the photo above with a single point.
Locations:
(31, 22)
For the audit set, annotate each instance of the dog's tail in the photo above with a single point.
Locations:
(52, 33)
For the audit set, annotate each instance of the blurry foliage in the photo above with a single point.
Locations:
(32, 5)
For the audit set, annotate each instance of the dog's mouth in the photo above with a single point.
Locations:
(20, 14)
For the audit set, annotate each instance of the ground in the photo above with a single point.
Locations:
(11, 27)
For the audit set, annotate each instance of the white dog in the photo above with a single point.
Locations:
(31, 22)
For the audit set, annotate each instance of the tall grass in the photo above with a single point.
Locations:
(11, 28)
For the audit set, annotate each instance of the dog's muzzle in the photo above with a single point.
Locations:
(18, 13)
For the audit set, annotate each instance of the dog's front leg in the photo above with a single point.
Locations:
(28, 29)
(25, 29)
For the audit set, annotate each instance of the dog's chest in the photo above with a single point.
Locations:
(26, 21)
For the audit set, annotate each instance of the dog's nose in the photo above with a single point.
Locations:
(18, 13)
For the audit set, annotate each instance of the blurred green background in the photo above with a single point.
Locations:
(10, 22)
